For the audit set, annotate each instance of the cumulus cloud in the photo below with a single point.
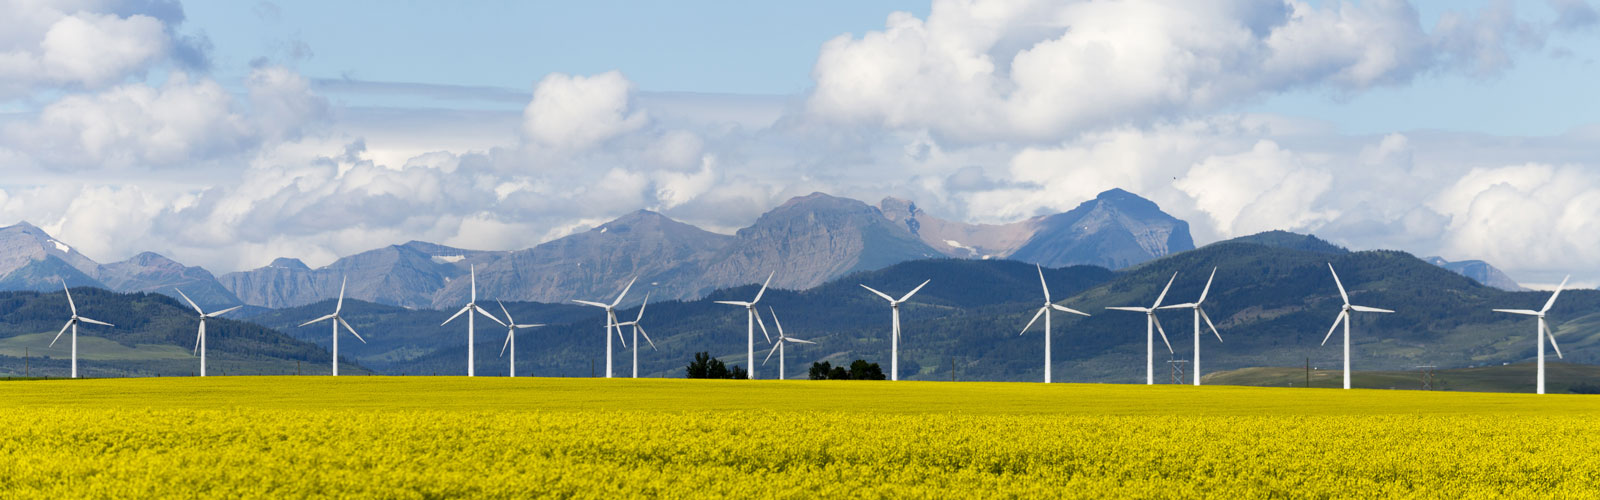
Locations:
(1030, 71)
(575, 112)
(89, 44)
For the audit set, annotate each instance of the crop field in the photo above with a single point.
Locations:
(427, 437)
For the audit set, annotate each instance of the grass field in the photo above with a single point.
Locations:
(424, 437)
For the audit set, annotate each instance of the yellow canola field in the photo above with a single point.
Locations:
(453, 437)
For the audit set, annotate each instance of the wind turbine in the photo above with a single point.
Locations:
(1344, 317)
(778, 348)
(611, 321)
(751, 320)
(472, 306)
(894, 342)
(200, 338)
(636, 331)
(1544, 329)
(511, 337)
(1045, 310)
(337, 320)
(1198, 314)
(73, 324)
(1152, 325)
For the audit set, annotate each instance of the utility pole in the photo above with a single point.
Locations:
(591, 368)
(1308, 373)
(297, 368)
(27, 362)
(1177, 370)
(952, 368)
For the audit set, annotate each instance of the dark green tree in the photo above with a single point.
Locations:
(819, 371)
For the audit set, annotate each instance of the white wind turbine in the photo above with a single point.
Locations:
(472, 306)
(611, 321)
(636, 331)
(73, 324)
(337, 321)
(1198, 315)
(894, 342)
(751, 320)
(778, 348)
(1151, 326)
(511, 337)
(1544, 328)
(200, 338)
(1045, 311)
(1344, 317)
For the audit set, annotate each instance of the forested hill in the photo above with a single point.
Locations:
(154, 335)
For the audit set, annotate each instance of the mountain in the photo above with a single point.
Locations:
(408, 275)
(1479, 271)
(154, 336)
(1292, 241)
(1117, 229)
(151, 272)
(597, 263)
(958, 239)
(31, 259)
(810, 240)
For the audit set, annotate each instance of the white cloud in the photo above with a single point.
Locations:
(575, 112)
(75, 44)
(1529, 216)
(1262, 189)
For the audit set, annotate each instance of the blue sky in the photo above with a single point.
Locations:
(319, 129)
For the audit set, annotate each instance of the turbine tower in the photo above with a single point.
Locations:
(200, 338)
(778, 348)
(1544, 328)
(611, 320)
(73, 324)
(751, 319)
(511, 337)
(894, 342)
(1344, 317)
(1198, 314)
(636, 331)
(471, 307)
(1045, 310)
(337, 321)
(1151, 326)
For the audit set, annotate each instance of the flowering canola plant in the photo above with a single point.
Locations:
(451, 437)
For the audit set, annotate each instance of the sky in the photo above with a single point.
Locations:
(226, 134)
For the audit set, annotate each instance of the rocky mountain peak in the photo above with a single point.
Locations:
(289, 263)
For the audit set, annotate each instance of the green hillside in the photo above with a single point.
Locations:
(154, 336)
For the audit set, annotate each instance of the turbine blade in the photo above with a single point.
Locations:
(791, 339)
(733, 303)
(1185, 305)
(620, 337)
(507, 313)
(1553, 296)
(764, 287)
(588, 303)
(1336, 320)
(1161, 331)
(340, 306)
(1552, 336)
(1031, 321)
(1366, 309)
(1127, 308)
(1068, 310)
(490, 316)
(880, 294)
(507, 343)
(1336, 281)
(446, 322)
(624, 292)
(197, 336)
(1041, 282)
(1524, 312)
(352, 329)
(224, 311)
(63, 330)
(771, 352)
(1163, 295)
(647, 337)
(191, 302)
(70, 303)
(330, 316)
(914, 291)
(1213, 326)
(775, 322)
(94, 321)
(642, 306)
(762, 324)
(474, 270)
(1207, 288)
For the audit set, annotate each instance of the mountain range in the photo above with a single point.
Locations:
(803, 243)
